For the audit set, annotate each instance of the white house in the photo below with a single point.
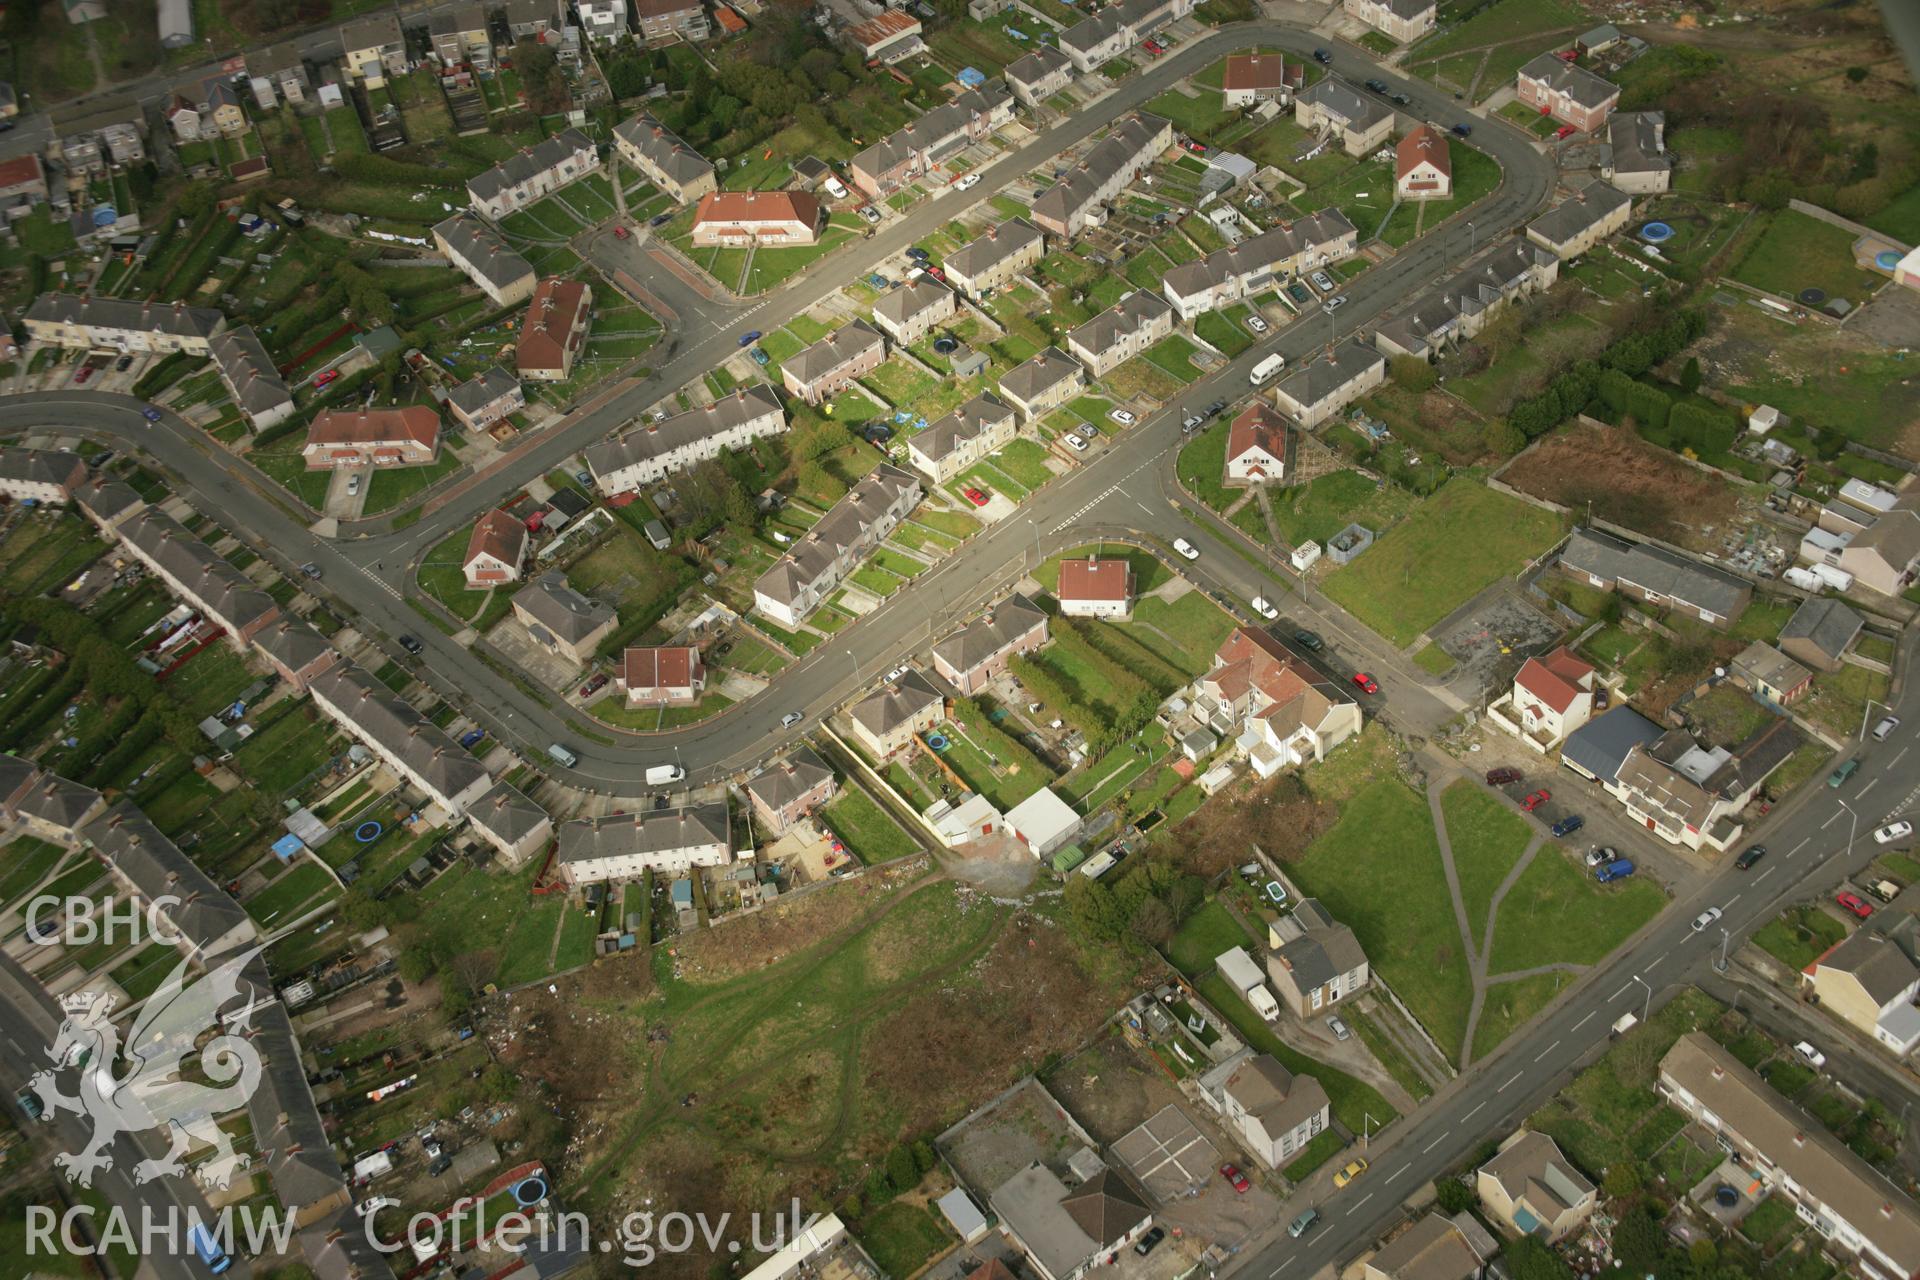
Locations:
(1551, 697)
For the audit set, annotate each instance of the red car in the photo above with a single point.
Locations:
(594, 685)
(1564, 131)
(1365, 682)
(1235, 1179)
(938, 273)
(1537, 799)
(1851, 902)
(1154, 48)
(86, 371)
(323, 379)
(620, 233)
(1198, 148)
(977, 497)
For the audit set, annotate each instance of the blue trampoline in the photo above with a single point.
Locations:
(530, 1191)
(937, 741)
(1886, 259)
(368, 832)
(1656, 232)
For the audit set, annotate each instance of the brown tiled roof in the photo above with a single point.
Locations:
(498, 535)
(1424, 144)
(415, 422)
(673, 667)
(1095, 579)
(550, 318)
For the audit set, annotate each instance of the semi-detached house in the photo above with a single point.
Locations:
(46, 476)
(667, 21)
(1637, 161)
(478, 252)
(532, 173)
(626, 846)
(791, 789)
(1551, 698)
(251, 377)
(1401, 20)
(831, 365)
(1039, 75)
(1359, 121)
(1121, 332)
(1582, 220)
(1566, 91)
(1108, 168)
(1886, 555)
(1280, 711)
(374, 47)
(1320, 389)
(951, 444)
(295, 650)
(1532, 1189)
(553, 330)
(659, 449)
(413, 746)
(1253, 266)
(511, 823)
(662, 675)
(1869, 980)
(909, 313)
(823, 557)
(979, 652)
(908, 153)
(1093, 42)
(486, 398)
(121, 324)
(887, 719)
(995, 258)
(667, 162)
(404, 437)
(562, 620)
(766, 218)
(1439, 1246)
(1043, 383)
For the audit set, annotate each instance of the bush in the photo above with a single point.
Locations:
(1453, 1195)
(900, 1170)
(1413, 374)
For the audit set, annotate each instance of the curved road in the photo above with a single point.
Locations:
(368, 576)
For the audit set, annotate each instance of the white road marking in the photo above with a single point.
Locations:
(1362, 1200)
(1470, 1114)
(1616, 995)
(1431, 1145)
(1396, 1173)
(1584, 1021)
(1764, 874)
(1730, 901)
(1797, 848)
(1829, 822)
(1868, 787)
(1896, 757)
(1656, 960)
(1510, 1080)
(1549, 1049)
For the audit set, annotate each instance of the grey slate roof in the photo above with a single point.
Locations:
(1602, 744)
(1089, 33)
(390, 720)
(560, 609)
(944, 435)
(125, 839)
(1258, 253)
(1327, 373)
(1654, 569)
(1325, 950)
(1034, 67)
(292, 642)
(987, 251)
(915, 296)
(522, 165)
(223, 588)
(836, 531)
(1875, 961)
(1038, 375)
(1825, 623)
(286, 1125)
(1637, 139)
(58, 802)
(985, 637)
(1572, 216)
(650, 831)
(41, 466)
(928, 132)
(783, 783)
(892, 705)
(662, 147)
(683, 429)
(507, 813)
(106, 498)
(256, 382)
(126, 313)
(483, 249)
(1335, 96)
(836, 349)
(1572, 79)
(1121, 320)
(482, 389)
(1113, 154)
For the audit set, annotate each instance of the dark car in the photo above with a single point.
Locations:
(1150, 1241)
(123, 364)
(1568, 825)
(1215, 409)
(1501, 777)
(1462, 130)
(1378, 86)
(411, 645)
(473, 738)
(918, 254)
(1752, 854)
(1309, 640)
(1400, 99)
(659, 219)
(1322, 56)
(100, 459)
(594, 685)
(750, 337)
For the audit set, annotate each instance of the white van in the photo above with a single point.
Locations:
(561, 755)
(1266, 369)
(660, 774)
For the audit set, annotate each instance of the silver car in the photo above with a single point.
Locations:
(1336, 1026)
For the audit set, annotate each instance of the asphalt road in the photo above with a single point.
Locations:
(367, 576)
(1814, 841)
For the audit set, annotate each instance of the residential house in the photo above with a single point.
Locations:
(460, 37)
(1885, 556)
(660, 676)
(495, 551)
(251, 377)
(295, 650)
(1279, 710)
(1423, 165)
(1457, 309)
(1273, 1111)
(1567, 91)
(628, 845)
(1530, 1188)
(563, 620)
(413, 746)
(1653, 576)
(1690, 794)
(94, 138)
(1855, 1210)
(1599, 749)
(979, 653)
(951, 444)
(1401, 20)
(607, 19)
(486, 398)
(1066, 1232)
(506, 819)
(533, 19)
(46, 476)
(1258, 442)
(1771, 674)
(892, 36)
(121, 324)
(50, 807)
(658, 449)
(887, 720)
(1121, 332)
(834, 363)
(1637, 161)
(23, 184)
(907, 154)
(477, 251)
(1037, 76)
(374, 47)
(909, 313)
(1043, 383)
(791, 789)
(1869, 981)
(109, 503)
(1109, 168)
(1257, 77)
(1043, 822)
(1319, 390)
(667, 162)
(1551, 697)
(1582, 220)
(1095, 588)
(1820, 632)
(667, 21)
(994, 260)
(1093, 42)
(1436, 1247)
(532, 173)
(1318, 962)
(816, 565)
(156, 874)
(404, 437)
(278, 73)
(767, 218)
(193, 571)
(1258, 263)
(553, 330)
(1359, 121)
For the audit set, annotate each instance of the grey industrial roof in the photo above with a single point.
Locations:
(483, 249)
(1825, 623)
(682, 429)
(989, 635)
(944, 435)
(649, 831)
(560, 609)
(1654, 569)
(248, 368)
(1121, 320)
(198, 567)
(1113, 154)
(174, 318)
(998, 244)
(662, 147)
(895, 703)
(1038, 375)
(522, 165)
(1594, 203)
(848, 342)
(1601, 745)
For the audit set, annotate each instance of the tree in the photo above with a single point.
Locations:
(923, 1158)
(1856, 74)
(1529, 1259)
(1503, 438)
(1411, 373)
(1623, 1179)
(1639, 1243)
(1690, 375)
(737, 509)
(1152, 924)
(900, 1170)
(1453, 1195)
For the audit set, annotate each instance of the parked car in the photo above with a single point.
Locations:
(353, 486)
(1854, 903)
(1400, 99)
(1150, 1241)
(1336, 1026)
(86, 371)
(150, 413)
(1893, 831)
(1087, 431)
(1353, 1170)
(1322, 281)
(790, 719)
(1322, 57)
(1537, 799)
(621, 233)
(411, 645)
(1256, 324)
(1705, 918)
(1750, 855)
(1886, 726)
(868, 212)
(1568, 825)
(1235, 1179)
(750, 337)
(1214, 410)
(1154, 48)
(1194, 145)
(759, 357)
(1309, 640)
(918, 254)
(1303, 1224)
(938, 273)
(1186, 549)
(835, 188)
(1462, 130)
(659, 219)
(978, 497)
(123, 364)
(1503, 777)
(1265, 609)
(1564, 131)
(1365, 683)
(967, 182)
(1601, 855)
(1814, 1058)
(1122, 416)
(473, 738)
(594, 685)
(1377, 86)
(311, 570)
(1074, 442)
(1618, 869)
(325, 376)
(1192, 422)
(1334, 303)
(1846, 770)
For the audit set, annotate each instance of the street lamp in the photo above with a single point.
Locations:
(1646, 1008)
(1864, 713)
(1853, 829)
(1725, 940)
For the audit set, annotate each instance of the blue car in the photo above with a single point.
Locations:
(1569, 824)
(1618, 869)
(150, 414)
(473, 738)
(750, 337)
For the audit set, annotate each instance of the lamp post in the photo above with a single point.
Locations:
(1853, 828)
(1646, 1007)
(1725, 941)
(1864, 713)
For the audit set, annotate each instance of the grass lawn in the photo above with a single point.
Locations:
(865, 828)
(297, 889)
(1799, 936)
(1510, 1005)
(1378, 870)
(1799, 252)
(1461, 540)
(902, 1236)
(1487, 838)
(1203, 936)
(1559, 914)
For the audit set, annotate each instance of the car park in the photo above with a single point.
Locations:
(1264, 609)
(1706, 918)
(1256, 324)
(1235, 1179)
(790, 719)
(1568, 825)
(1813, 1057)
(1846, 770)
(1854, 903)
(1893, 831)
(1338, 1027)
(1186, 549)
(1537, 799)
(1122, 416)
(1503, 776)
(978, 497)
(1353, 1170)
(1886, 726)
(1752, 854)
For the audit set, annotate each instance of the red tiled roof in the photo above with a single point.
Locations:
(1554, 679)
(1258, 427)
(889, 25)
(737, 207)
(1424, 143)
(669, 668)
(1253, 659)
(498, 535)
(416, 423)
(1564, 664)
(550, 318)
(21, 169)
(1095, 579)
(728, 19)
(1255, 71)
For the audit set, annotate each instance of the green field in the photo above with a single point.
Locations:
(1559, 914)
(1487, 838)
(865, 828)
(1799, 252)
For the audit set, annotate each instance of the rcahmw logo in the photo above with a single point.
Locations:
(81, 922)
(80, 1231)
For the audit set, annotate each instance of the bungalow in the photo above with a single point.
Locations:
(1360, 122)
(1253, 266)
(1319, 390)
(668, 163)
(1108, 169)
(532, 173)
(891, 37)
(662, 676)
(1258, 443)
(405, 437)
(1533, 1190)
(832, 364)
(1552, 696)
(510, 822)
(1820, 632)
(1582, 220)
(554, 330)
(658, 449)
(1275, 1112)
(909, 313)
(1066, 1232)
(563, 620)
(1423, 165)
(1637, 161)
(816, 565)
(1692, 795)
(907, 154)
(887, 720)
(495, 551)
(1043, 383)
(994, 260)
(1281, 711)
(977, 654)
(791, 789)
(1121, 332)
(1566, 91)
(251, 377)
(1257, 77)
(951, 444)
(1401, 20)
(477, 252)
(1095, 588)
(486, 398)
(46, 476)
(1771, 674)
(1436, 1247)
(1655, 576)
(1869, 981)
(766, 218)
(1037, 76)
(1318, 962)
(628, 845)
